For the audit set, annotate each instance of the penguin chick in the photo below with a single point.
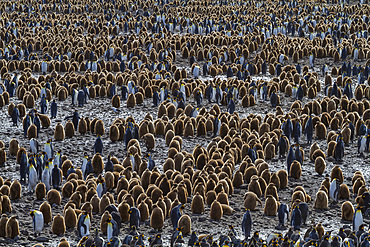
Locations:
(254, 186)
(6, 204)
(197, 204)
(63, 243)
(45, 209)
(348, 211)
(344, 192)
(185, 224)
(157, 218)
(320, 165)
(59, 132)
(321, 201)
(70, 218)
(131, 101)
(250, 200)
(3, 221)
(271, 206)
(227, 210)
(114, 133)
(58, 227)
(216, 211)
(337, 173)
(54, 197)
(12, 227)
(40, 191)
(295, 170)
(283, 178)
(149, 141)
(15, 190)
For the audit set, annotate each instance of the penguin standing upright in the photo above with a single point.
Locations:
(34, 146)
(81, 98)
(231, 106)
(283, 214)
(56, 177)
(23, 166)
(176, 214)
(112, 228)
(362, 145)
(134, 217)
(199, 98)
(15, 116)
(247, 224)
(216, 126)
(75, 119)
(274, 99)
(283, 146)
(304, 211)
(296, 219)
(53, 109)
(74, 96)
(32, 178)
(37, 221)
(334, 190)
(83, 224)
(357, 219)
(339, 148)
(309, 130)
(48, 149)
(290, 158)
(45, 178)
(98, 146)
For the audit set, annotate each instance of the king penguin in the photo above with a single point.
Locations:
(357, 219)
(49, 149)
(176, 214)
(56, 177)
(45, 178)
(32, 178)
(98, 146)
(34, 146)
(134, 217)
(296, 219)
(112, 228)
(334, 190)
(247, 224)
(83, 225)
(37, 221)
(283, 214)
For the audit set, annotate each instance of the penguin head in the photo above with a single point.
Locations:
(358, 209)
(32, 213)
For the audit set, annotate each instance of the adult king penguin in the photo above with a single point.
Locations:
(37, 221)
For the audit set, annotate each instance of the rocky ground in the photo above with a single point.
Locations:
(100, 108)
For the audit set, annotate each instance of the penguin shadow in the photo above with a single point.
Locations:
(345, 221)
(281, 228)
(321, 210)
